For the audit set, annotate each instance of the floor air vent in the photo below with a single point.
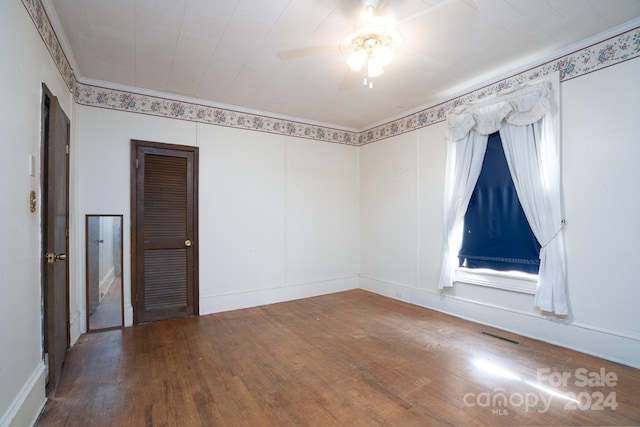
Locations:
(501, 338)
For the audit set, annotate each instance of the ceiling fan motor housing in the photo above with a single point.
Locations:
(375, 4)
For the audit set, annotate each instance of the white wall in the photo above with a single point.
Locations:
(401, 243)
(602, 194)
(25, 64)
(284, 218)
(102, 176)
(278, 215)
(388, 207)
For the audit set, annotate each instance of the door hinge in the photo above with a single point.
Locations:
(135, 297)
(136, 163)
(67, 232)
(67, 149)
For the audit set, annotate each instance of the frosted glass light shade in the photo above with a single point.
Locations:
(382, 55)
(357, 59)
(374, 69)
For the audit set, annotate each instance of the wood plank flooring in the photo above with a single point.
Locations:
(346, 359)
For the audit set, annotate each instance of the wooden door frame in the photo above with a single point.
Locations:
(135, 143)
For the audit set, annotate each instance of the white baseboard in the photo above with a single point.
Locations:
(253, 298)
(616, 346)
(128, 315)
(28, 404)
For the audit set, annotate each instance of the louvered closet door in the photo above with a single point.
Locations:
(165, 235)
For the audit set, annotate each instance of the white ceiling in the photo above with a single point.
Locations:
(282, 56)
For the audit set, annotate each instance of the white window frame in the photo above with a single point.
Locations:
(514, 281)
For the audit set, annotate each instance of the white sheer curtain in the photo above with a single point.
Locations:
(469, 155)
(532, 153)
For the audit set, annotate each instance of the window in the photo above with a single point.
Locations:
(496, 234)
(528, 128)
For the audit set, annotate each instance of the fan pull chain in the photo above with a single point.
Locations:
(367, 82)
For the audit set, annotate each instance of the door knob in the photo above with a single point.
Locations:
(187, 243)
(51, 257)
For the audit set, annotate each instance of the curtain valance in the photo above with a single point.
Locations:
(521, 107)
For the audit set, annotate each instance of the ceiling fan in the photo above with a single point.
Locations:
(370, 46)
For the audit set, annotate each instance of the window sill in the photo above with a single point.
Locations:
(510, 281)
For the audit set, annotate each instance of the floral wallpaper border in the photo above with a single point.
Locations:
(126, 101)
(43, 25)
(614, 50)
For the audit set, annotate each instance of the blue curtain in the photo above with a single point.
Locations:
(496, 232)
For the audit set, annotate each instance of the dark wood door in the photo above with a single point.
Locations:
(164, 231)
(55, 236)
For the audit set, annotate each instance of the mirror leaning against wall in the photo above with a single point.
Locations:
(104, 272)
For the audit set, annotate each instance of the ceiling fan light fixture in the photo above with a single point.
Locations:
(382, 54)
(357, 59)
(371, 46)
(374, 69)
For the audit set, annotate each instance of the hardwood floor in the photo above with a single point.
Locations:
(347, 359)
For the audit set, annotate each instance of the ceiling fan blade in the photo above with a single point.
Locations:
(307, 51)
